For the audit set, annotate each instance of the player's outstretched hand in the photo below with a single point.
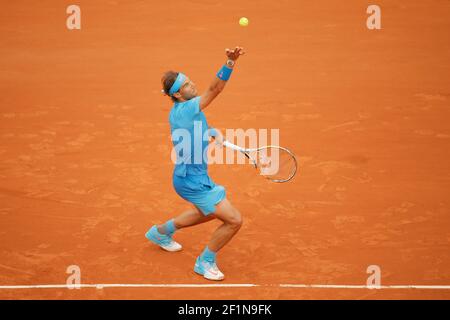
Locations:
(235, 53)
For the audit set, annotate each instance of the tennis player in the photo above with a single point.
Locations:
(190, 178)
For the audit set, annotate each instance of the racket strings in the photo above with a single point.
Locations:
(276, 164)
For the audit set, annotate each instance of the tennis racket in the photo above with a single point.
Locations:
(275, 163)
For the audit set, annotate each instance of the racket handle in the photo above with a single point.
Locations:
(232, 146)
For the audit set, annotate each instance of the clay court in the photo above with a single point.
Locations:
(85, 146)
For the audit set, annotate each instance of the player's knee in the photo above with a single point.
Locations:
(236, 221)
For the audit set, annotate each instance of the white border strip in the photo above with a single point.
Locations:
(231, 285)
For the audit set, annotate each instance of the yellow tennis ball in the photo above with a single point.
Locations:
(243, 21)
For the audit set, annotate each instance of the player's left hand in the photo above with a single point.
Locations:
(235, 53)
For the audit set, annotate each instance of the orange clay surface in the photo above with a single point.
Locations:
(85, 163)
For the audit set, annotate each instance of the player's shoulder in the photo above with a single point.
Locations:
(193, 101)
(185, 111)
(179, 105)
(191, 106)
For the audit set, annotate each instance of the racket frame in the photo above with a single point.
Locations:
(246, 152)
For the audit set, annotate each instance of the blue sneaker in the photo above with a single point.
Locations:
(208, 270)
(164, 241)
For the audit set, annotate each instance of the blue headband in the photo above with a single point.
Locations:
(177, 84)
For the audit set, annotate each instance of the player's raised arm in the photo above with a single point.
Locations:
(222, 77)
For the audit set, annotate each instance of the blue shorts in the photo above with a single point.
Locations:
(200, 190)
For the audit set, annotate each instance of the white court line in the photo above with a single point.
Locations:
(331, 286)
(232, 285)
(128, 285)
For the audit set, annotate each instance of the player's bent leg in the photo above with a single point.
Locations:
(191, 218)
(165, 241)
(162, 234)
(232, 222)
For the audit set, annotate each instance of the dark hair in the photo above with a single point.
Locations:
(167, 81)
